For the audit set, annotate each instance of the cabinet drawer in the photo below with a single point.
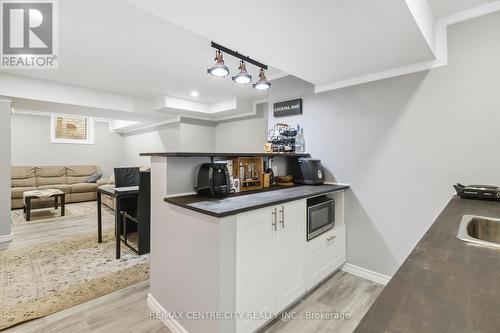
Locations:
(325, 254)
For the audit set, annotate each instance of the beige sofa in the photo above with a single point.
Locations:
(69, 179)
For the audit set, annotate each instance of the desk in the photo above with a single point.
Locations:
(117, 193)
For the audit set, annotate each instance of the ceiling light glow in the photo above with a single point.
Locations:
(242, 77)
(218, 69)
(263, 83)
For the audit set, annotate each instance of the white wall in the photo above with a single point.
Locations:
(166, 138)
(401, 143)
(31, 145)
(186, 136)
(5, 114)
(244, 135)
(197, 136)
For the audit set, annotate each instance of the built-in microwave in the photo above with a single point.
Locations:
(320, 216)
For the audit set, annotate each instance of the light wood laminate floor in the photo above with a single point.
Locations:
(343, 294)
(30, 234)
(125, 311)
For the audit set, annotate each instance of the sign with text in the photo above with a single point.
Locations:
(28, 36)
(288, 108)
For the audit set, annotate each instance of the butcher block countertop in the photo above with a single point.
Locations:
(445, 285)
(245, 201)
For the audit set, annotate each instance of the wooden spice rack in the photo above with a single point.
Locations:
(253, 169)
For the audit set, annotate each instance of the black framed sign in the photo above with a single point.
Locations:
(288, 108)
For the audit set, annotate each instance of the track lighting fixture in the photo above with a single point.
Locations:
(218, 69)
(242, 77)
(262, 84)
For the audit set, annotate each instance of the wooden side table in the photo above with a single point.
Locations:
(30, 195)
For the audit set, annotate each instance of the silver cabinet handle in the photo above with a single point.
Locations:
(282, 211)
(274, 220)
(329, 239)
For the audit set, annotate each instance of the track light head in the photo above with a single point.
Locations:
(242, 77)
(218, 69)
(262, 84)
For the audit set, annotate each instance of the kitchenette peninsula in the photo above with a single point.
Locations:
(232, 263)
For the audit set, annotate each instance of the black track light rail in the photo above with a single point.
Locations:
(238, 55)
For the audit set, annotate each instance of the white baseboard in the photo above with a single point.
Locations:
(366, 274)
(173, 325)
(6, 238)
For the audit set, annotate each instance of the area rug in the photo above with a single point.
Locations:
(42, 279)
(51, 215)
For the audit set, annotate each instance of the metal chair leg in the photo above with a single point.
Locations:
(125, 228)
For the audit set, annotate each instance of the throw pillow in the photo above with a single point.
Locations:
(94, 178)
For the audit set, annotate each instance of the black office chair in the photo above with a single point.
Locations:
(142, 218)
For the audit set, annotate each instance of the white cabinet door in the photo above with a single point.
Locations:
(255, 262)
(290, 253)
(325, 254)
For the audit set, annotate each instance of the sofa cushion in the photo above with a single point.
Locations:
(82, 170)
(63, 187)
(50, 175)
(23, 176)
(77, 180)
(26, 182)
(43, 181)
(17, 192)
(20, 172)
(79, 197)
(51, 171)
(16, 203)
(83, 187)
(80, 173)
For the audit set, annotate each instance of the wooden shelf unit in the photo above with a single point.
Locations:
(254, 170)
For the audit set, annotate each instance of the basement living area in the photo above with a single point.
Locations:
(162, 171)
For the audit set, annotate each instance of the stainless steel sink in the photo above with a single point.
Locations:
(480, 230)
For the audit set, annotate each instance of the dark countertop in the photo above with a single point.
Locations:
(245, 201)
(222, 154)
(445, 285)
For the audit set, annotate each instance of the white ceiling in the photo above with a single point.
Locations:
(443, 8)
(114, 46)
(318, 41)
(157, 48)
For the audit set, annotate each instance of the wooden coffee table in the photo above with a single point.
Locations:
(42, 194)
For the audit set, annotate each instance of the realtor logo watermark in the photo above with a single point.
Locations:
(29, 32)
